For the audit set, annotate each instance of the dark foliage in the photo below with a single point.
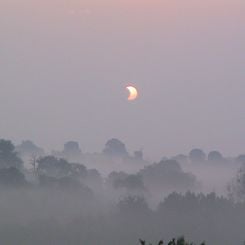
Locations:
(197, 155)
(12, 177)
(167, 174)
(179, 241)
(8, 156)
(115, 147)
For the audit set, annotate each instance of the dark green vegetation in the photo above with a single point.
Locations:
(179, 241)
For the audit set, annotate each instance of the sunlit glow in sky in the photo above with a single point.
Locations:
(133, 93)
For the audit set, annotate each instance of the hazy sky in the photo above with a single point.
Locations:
(64, 66)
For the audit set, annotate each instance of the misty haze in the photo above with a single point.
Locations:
(122, 122)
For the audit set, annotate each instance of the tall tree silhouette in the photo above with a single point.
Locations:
(8, 155)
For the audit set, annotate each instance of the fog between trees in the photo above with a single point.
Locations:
(114, 197)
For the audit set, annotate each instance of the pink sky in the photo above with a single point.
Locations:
(187, 58)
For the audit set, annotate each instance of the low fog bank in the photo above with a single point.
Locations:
(119, 173)
(213, 172)
(114, 197)
(61, 217)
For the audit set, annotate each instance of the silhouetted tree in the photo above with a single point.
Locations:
(236, 189)
(181, 158)
(142, 242)
(33, 162)
(66, 184)
(28, 148)
(215, 156)
(133, 205)
(8, 156)
(180, 241)
(115, 147)
(197, 155)
(72, 150)
(12, 177)
(53, 167)
(167, 175)
(115, 177)
(172, 242)
(131, 182)
(79, 170)
(94, 180)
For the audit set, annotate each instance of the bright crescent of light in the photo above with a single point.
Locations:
(133, 93)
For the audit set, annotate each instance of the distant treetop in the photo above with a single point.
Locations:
(115, 147)
(197, 155)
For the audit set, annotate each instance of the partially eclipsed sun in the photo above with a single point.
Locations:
(133, 93)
